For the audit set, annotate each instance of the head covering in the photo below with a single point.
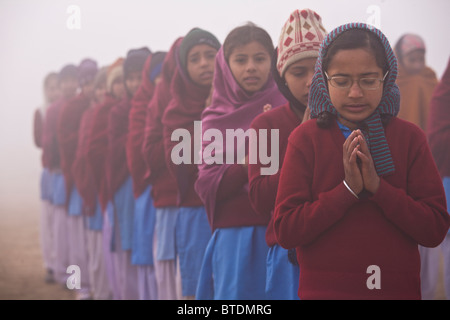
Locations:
(319, 99)
(115, 71)
(186, 106)
(135, 60)
(195, 37)
(86, 71)
(231, 108)
(68, 71)
(439, 124)
(409, 43)
(300, 38)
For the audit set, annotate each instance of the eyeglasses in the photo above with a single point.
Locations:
(345, 82)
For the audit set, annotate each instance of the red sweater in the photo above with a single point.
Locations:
(263, 188)
(337, 236)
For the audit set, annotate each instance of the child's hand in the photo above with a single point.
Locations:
(353, 175)
(369, 174)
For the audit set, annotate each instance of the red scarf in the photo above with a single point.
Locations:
(98, 146)
(116, 161)
(81, 170)
(439, 124)
(186, 106)
(68, 127)
(137, 116)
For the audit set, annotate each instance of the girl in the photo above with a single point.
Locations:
(415, 80)
(96, 152)
(68, 129)
(83, 180)
(163, 192)
(234, 262)
(439, 138)
(190, 88)
(118, 176)
(144, 213)
(51, 95)
(293, 68)
(68, 84)
(358, 189)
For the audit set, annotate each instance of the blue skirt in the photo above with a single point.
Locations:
(192, 236)
(75, 203)
(124, 212)
(166, 220)
(234, 265)
(446, 183)
(95, 222)
(282, 276)
(143, 230)
(59, 189)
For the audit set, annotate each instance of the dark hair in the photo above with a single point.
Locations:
(354, 39)
(240, 36)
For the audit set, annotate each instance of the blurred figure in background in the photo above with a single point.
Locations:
(51, 94)
(439, 139)
(415, 80)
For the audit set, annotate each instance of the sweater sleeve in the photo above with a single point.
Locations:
(299, 218)
(421, 211)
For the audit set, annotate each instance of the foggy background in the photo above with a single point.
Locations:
(38, 36)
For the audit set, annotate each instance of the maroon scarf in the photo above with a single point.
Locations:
(439, 124)
(186, 106)
(137, 116)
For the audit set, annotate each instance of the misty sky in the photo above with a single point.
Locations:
(37, 38)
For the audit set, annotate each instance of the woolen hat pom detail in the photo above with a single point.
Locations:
(300, 38)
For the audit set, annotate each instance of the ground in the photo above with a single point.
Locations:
(21, 266)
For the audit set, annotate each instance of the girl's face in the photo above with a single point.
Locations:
(298, 78)
(250, 65)
(354, 104)
(200, 64)
(414, 61)
(133, 81)
(99, 94)
(118, 88)
(52, 92)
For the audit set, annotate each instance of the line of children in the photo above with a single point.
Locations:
(352, 191)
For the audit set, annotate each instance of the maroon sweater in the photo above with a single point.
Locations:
(337, 236)
(263, 188)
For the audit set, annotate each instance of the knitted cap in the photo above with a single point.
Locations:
(135, 60)
(300, 38)
(68, 71)
(86, 71)
(194, 37)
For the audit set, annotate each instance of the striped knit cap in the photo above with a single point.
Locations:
(319, 100)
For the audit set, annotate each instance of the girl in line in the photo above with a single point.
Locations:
(439, 139)
(68, 84)
(120, 188)
(144, 213)
(68, 131)
(96, 152)
(234, 261)
(164, 192)
(359, 189)
(51, 94)
(85, 184)
(191, 86)
(293, 69)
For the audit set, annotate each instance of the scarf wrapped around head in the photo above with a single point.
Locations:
(231, 108)
(320, 101)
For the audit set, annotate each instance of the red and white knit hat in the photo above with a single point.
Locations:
(300, 38)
